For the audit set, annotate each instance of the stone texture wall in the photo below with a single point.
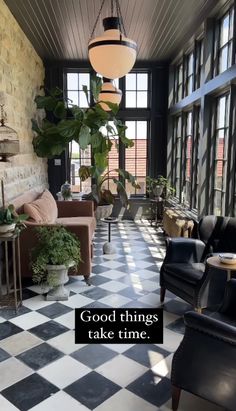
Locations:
(21, 75)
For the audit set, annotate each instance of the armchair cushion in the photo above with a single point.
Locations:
(191, 273)
(43, 209)
(79, 221)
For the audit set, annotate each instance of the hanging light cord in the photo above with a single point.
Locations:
(119, 15)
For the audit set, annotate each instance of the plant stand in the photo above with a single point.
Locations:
(58, 292)
(11, 294)
(108, 247)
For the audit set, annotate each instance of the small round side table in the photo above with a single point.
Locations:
(215, 262)
(108, 247)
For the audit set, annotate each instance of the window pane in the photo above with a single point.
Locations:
(130, 99)
(82, 99)
(141, 152)
(231, 30)
(142, 182)
(84, 80)
(130, 81)
(142, 80)
(224, 30)
(72, 81)
(217, 203)
(73, 96)
(130, 131)
(141, 99)
(220, 145)
(223, 59)
(221, 112)
(141, 129)
(190, 64)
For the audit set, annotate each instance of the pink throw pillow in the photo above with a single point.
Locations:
(42, 210)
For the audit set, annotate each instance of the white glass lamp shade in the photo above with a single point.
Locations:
(112, 55)
(109, 93)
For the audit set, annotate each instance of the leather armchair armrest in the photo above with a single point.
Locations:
(75, 208)
(184, 250)
(210, 326)
(229, 303)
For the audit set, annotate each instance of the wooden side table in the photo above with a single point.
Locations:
(215, 262)
(12, 294)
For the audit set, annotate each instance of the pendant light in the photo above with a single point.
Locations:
(113, 54)
(109, 93)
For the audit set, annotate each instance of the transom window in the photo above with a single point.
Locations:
(178, 82)
(189, 71)
(136, 90)
(136, 156)
(221, 150)
(199, 64)
(224, 44)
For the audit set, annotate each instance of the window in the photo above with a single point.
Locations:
(189, 70)
(136, 157)
(177, 145)
(224, 42)
(78, 157)
(178, 82)
(75, 83)
(188, 147)
(220, 157)
(136, 90)
(199, 64)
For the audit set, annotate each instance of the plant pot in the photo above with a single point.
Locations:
(58, 292)
(7, 228)
(157, 191)
(103, 211)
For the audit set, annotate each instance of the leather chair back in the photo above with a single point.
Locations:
(218, 233)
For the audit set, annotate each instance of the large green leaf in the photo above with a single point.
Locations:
(96, 85)
(84, 137)
(69, 128)
(35, 126)
(85, 90)
(112, 106)
(101, 161)
(85, 172)
(60, 110)
(47, 102)
(96, 140)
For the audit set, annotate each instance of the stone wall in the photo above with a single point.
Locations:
(21, 75)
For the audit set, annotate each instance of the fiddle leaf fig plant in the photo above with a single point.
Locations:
(90, 126)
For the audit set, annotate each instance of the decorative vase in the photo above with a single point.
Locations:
(157, 191)
(58, 292)
(103, 211)
(66, 191)
(7, 228)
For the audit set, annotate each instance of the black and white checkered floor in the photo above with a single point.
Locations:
(41, 369)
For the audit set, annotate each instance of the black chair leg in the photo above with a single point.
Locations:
(162, 295)
(176, 391)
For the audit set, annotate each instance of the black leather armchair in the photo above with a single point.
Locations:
(184, 272)
(205, 362)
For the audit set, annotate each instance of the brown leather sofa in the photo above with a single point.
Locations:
(76, 216)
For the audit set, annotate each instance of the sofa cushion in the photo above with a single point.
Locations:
(85, 221)
(43, 209)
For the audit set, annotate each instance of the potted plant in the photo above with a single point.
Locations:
(66, 191)
(56, 251)
(103, 198)
(92, 126)
(160, 186)
(10, 221)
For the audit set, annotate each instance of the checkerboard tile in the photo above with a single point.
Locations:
(41, 367)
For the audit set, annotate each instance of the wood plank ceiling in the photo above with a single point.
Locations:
(60, 29)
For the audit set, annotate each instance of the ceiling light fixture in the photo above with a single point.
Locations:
(109, 92)
(113, 54)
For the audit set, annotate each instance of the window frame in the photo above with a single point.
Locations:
(229, 44)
